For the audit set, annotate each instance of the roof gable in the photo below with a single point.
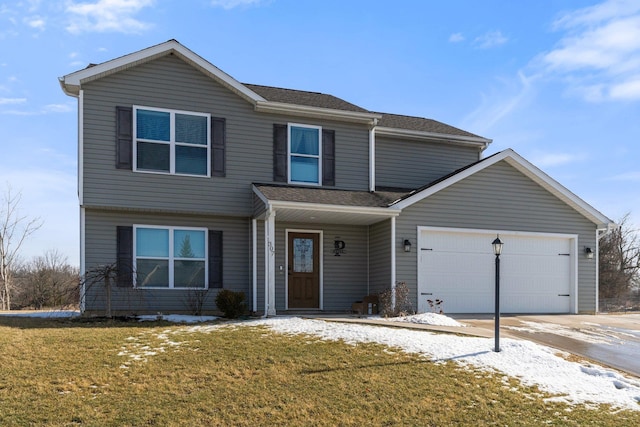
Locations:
(523, 166)
(277, 100)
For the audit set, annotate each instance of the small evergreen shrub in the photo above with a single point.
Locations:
(231, 303)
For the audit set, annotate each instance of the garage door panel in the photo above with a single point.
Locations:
(458, 268)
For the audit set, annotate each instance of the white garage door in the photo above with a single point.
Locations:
(458, 267)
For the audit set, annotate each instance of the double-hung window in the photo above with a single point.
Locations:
(171, 141)
(170, 257)
(305, 154)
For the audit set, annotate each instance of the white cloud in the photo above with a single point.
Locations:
(107, 16)
(456, 38)
(230, 4)
(546, 160)
(36, 22)
(12, 101)
(599, 52)
(511, 96)
(490, 39)
(628, 176)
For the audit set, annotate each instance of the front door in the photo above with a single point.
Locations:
(304, 270)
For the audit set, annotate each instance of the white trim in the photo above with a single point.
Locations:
(393, 262)
(254, 266)
(597, 257)
(372, 159)
(265, 106)
(572, 237)
(83, 289)
(320, 234)
(386, 212)
(172, 143)
(529, 170)
(81, 147)
(310, 156)
(483, 143)
(172, 257)
(270, 262)
(71, 82)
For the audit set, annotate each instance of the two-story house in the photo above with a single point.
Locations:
(190, 180)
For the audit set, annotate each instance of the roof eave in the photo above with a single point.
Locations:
(477, 141)
(316, 112)
(71, 83)
(529, 170)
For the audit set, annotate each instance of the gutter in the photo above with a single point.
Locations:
(434, 136)
(317, 112)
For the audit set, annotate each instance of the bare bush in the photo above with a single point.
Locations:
(47, 281)
(402, 305)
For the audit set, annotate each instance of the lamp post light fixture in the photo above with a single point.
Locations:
(497, 250)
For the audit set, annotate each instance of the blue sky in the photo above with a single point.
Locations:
(556, 80)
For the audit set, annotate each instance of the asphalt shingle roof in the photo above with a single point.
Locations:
(377, 199)
(300, 97)
(321, 100)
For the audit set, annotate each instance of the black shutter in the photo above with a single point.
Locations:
(218, 144)
(215, 259)
(328, 157)
(124, 257)
(280, 153)
(124, 137)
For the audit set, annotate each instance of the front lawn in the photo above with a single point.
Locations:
(78, 372)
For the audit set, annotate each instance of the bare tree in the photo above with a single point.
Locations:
(47, 281)
(619, 261)
(14, 229)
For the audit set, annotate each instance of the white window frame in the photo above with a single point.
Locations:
(289, 154)
(171, 258)
(172, 141)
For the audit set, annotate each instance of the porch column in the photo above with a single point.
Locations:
(254, 265)
(270, 263)
(393, 262)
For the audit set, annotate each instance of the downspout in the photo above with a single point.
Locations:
(254, 250)
(393, 263)
(83, 290)
(372, 155)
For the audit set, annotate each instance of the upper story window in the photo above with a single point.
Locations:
(305, 154)
(170, 257)
(171, 141)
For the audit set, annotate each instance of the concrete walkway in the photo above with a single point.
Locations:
(608, 339)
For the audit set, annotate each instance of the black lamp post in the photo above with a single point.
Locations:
(497, 250)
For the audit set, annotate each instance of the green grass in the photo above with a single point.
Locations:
(71, 372)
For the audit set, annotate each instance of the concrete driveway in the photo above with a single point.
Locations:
(609, 339)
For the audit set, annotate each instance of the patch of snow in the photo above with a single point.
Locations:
(594, 336)
(427, 319)
(48, 314)
(532, 364)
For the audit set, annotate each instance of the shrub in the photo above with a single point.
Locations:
(403, 305)
(231, 303)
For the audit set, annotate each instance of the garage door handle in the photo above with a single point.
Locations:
(426, 293)
(426, 249)
(564, 295)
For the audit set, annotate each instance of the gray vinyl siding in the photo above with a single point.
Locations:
(100, 244)
(170, 83)
(412, 164)
(498, 198)
(380, 257)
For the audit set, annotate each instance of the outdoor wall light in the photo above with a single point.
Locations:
(588, 252)
(407, 245)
